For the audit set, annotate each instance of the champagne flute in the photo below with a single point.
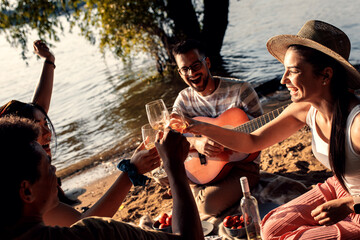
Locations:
(158, 115)
(159, 119)
(149, 136)
(177, 120)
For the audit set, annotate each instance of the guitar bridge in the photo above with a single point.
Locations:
(202, 158)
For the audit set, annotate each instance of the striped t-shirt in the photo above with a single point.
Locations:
(229, 94)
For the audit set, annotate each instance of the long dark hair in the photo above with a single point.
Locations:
(341, 100)
(26, 110)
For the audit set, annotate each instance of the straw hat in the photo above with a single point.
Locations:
(322, 37)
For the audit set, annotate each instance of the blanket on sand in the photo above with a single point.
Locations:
(273, 190)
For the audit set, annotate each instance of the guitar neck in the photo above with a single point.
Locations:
(258, 122)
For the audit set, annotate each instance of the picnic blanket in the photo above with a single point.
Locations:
(272, 190)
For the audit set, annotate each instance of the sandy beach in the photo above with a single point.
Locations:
(291, 158)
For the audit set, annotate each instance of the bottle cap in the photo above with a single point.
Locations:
(244, 184)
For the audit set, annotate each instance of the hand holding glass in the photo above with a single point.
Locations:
(149, 137)
(177, 120)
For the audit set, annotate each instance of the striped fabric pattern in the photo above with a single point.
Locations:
(229, 94)
(293, 220)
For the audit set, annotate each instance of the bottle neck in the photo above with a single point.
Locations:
(247, 194)
(245, 186)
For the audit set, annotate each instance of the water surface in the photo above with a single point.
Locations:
(98, 103)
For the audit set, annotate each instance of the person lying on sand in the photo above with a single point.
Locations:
(31, 191)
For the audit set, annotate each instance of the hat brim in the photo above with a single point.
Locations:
(278, 45)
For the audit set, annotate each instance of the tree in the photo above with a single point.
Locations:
(18, 18)
(125, 27)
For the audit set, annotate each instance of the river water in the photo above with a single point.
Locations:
(98, 102)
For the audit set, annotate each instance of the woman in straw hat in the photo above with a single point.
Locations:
(319, 78)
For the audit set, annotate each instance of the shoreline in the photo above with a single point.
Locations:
(104, 164)
(270, 96)
(101, 165)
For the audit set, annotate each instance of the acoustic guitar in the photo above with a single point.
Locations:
(205, 170)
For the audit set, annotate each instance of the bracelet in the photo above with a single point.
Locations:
(50, 62)
(135, 178)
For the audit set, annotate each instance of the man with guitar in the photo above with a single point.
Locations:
(221, 101)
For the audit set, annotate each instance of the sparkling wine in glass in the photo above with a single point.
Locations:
(149, 136)
(177, 120)
(158, 115)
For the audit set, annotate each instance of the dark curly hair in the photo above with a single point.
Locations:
(19, 160)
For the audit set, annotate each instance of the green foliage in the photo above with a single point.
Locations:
(19, 18)
(126, 27)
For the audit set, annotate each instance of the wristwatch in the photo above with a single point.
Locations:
(356, 205)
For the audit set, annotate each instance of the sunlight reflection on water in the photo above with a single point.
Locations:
(98, 103)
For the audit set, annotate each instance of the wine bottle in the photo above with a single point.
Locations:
(250, 211)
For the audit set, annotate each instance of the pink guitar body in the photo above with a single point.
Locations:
(211, 169)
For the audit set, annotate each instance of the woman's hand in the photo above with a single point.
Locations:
(43, 51)
(145, 160)
(193, 126)
(332, 211)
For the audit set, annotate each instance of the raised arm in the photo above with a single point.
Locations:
(173, 149)
(287, 123)
(43, 90)
(109, 203)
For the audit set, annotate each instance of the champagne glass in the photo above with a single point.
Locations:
(177, 120)
(149, 136)
(158, 115)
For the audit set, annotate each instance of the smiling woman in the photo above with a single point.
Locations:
(318, 75)
(35, 113)
(300, 77)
